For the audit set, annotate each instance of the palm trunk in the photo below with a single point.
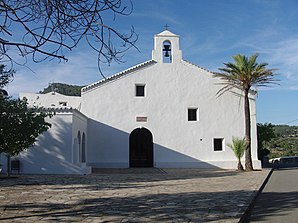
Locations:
(240, 167)
(248, 161)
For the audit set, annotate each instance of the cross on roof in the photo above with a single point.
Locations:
(166, 27)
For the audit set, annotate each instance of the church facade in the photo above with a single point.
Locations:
(162, 113)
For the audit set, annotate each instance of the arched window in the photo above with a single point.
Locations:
(79, 145)
(167, 51)
(79, 138)
(83, 148)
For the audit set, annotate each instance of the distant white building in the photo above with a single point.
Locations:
(162, 113)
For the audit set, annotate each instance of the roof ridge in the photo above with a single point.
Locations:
(188, 62)
(117, 75)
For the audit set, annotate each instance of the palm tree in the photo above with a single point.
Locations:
(238, 147)
(243, 74)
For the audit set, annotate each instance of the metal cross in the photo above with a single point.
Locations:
(166, 26)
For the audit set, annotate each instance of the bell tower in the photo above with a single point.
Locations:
(166, 48)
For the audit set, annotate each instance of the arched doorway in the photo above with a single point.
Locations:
(140, 148)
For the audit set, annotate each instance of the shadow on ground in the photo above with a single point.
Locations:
(181, 207)
(128, 176)
(160, 195)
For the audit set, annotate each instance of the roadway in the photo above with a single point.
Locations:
(278, 201)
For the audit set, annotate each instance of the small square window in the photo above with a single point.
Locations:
(218, 144)
(140, 90)
(192, 114)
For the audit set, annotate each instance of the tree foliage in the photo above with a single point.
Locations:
(243, 74)
(65, 89)
(19, 125)
(265, 134)
(5, 75)
(238, 147)
(46, 29)
(285, 130)
(285, 142)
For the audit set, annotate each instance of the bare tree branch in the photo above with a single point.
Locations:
(44, 29)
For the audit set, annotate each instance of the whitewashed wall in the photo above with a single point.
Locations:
(80, 123)
(170, 90)
(108, 111)
(51, 100)
(53, 150)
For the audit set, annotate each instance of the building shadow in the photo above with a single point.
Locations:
(108, 147)
(175, 207)
(51, 154)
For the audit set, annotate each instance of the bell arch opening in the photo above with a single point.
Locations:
(167, 52)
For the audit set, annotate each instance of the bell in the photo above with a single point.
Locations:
(167, 50)
(167, 54)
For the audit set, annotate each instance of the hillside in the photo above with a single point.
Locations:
(285, 142)
(285, 130)
(66, 89)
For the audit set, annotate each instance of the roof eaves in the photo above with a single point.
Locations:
(167, 33)
(118, 75)
(57, 109)
(60, 110)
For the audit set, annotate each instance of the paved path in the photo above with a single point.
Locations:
(150, 195)
(279, 200)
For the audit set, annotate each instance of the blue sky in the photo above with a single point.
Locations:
(211, 31)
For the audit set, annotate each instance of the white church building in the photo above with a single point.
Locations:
(163, 113)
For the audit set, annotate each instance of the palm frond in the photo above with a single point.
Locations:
(238, 146)
(244, 73)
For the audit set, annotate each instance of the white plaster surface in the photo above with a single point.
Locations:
(108, 110)
(51, 100)
(171, 89)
